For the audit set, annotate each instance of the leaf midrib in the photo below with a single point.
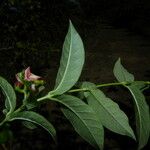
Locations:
(78, 117)
(69, 56)
(122, 72)
(30, 120)
(108, 111)
(138, 109)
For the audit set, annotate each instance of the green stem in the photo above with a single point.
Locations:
(98, 86)
(42, 98)
(78, 90)
(20, 108)
(26, 95)
(108, 84)
(112, 84)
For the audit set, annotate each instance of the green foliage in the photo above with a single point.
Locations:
(84, 119)
(142, 116)
(71, 62)
(29, 125)
(115, 119)
(141, 108)
(121, 73)
(10, 101)
(34, 118)
(88, 115)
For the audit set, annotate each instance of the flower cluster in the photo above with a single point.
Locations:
(28, 80)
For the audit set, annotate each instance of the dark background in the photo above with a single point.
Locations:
(32, 34)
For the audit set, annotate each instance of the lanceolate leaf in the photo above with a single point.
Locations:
(34, 118)
(83, 119)
(140, 85)
(121, 73)
(142, 116)
(111, 116)
(141, 107)
(29, 125)
(71, 63)
(10, 102)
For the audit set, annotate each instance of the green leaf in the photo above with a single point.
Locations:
(29, 125)
(10, 102)
(141, 85)
(111, 116)
(71, 63)
(121, 73)
(34, 118)
(83, 119)
(142, 116)
(5, 135)
(141, 108)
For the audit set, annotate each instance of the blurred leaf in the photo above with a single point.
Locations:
(20, 45)
(5, 134)
(71, 63)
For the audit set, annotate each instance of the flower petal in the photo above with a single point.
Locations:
(34, 77)
(30, 76)
(27, 74)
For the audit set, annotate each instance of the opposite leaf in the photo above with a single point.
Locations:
(111, 116)
(34, 118)
(83, 119)
(141, 107)
(7, 89)
(71, 62)
(142, 116)
(121, 73)
(141, 85)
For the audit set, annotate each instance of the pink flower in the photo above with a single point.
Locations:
(30, 76)
(30, 80)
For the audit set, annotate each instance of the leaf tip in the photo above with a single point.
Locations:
(118, 60)
(70, 22)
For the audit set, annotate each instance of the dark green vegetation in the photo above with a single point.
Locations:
(32, 34)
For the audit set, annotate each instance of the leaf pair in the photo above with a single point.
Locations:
(106, 112)
(111, 116)
(10, 104)
(81, 116)
(84, 120)
(141, 108)
(71, 64)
